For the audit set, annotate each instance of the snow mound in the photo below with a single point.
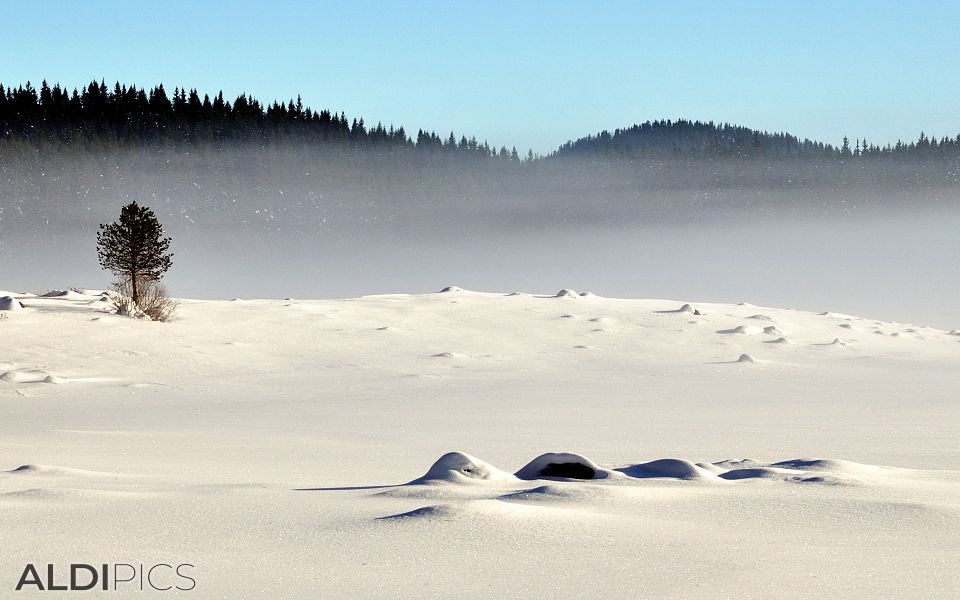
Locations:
(442, 511)
(457, 467)
(568, 316)
(65, 295)
(736, 463)
(675, 468)
(772, 330)
(762, 318)
(743, 330)
(759, 473)
(954, 332)
(588, 295)
(746, 358)
(685, 309)
(779, 340)
(20, 376)
(448, 355)
(451, 288)
(802, 470)
(10, 303)
(575, 496)
(562, 465)
(566, 293)
(471, 510)
(831, 465)
(543, 492)
(825, 479)
(53, 379)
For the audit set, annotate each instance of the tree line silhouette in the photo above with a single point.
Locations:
(666, 139)
(132, 115)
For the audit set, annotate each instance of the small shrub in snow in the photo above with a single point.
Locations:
(153, 302)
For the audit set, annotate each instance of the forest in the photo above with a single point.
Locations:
(206, 160)
(130, 115)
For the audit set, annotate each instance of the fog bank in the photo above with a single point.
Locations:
(897, 266)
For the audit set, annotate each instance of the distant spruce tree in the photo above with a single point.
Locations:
(134, 249)
(845, 148)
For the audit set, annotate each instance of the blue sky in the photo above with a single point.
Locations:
(529, 74)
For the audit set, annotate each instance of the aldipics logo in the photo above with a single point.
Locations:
(117, 577)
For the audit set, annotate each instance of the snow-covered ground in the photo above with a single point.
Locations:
(390, 447)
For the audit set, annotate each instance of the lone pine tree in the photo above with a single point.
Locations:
(134, 248)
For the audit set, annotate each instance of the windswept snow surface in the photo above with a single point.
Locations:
(442, 445)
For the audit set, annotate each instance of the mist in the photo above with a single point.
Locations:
(285, 222)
